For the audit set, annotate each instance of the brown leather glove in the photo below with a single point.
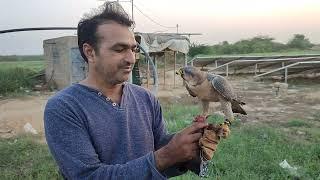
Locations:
(225, 129)
(209, 140)
(211, 137)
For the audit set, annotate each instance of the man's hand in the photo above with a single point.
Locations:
(183, 146)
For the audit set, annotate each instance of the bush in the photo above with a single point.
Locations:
(13, 80)
(299, 41)
(258, 44)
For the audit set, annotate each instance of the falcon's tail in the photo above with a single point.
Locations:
(236, 107)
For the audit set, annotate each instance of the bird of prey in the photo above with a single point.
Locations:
(211, 88)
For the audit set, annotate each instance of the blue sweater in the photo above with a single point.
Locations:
(92, 138)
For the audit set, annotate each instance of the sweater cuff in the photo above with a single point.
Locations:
(155, 173)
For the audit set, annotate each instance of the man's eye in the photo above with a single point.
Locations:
(119, 50)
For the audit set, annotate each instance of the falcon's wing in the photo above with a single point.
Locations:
(220, 84)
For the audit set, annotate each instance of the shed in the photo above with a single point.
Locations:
(159, 46)
(64, 64)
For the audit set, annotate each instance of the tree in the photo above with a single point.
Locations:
(299, 41)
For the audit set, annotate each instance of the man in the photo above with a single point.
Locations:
(105, 128)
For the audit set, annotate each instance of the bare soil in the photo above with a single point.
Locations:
(262, 103)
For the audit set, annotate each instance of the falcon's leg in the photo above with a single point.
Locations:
(227, 109)
(205, 108)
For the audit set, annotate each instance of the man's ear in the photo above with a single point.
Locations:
(88, 50)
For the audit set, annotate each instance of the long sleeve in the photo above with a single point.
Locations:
(162, 138)
(72, 148)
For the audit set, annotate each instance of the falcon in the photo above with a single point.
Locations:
(211, 88)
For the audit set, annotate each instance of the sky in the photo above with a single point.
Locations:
(216, 20)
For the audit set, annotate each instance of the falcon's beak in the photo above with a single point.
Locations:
(179, 72)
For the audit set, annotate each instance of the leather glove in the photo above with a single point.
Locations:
(211, 136)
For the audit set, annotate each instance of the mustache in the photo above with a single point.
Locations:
(125, 65)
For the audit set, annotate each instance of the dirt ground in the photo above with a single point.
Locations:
(262, 103)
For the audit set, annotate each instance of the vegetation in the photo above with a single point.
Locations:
(259, 44)
(299, 41)
(21, 58)
(253, 151)
(23, 158)
(18, 74)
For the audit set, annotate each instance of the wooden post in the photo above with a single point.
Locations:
(255, 69)
(164, 70)
(155, 68)
(227, 70)
(174, 68)
(148, 73)
(155, 62)
(286, 75)
(216, 63)
(185, 59)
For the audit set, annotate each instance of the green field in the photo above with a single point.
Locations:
(17, 73)
(253, 151)
(21, 58)
(33, 65)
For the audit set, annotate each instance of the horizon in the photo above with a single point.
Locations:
(218, 21)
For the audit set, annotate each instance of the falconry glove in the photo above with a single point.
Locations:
(209, 141)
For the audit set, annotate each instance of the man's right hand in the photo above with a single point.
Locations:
(182, 147)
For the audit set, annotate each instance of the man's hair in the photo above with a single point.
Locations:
(87, 27)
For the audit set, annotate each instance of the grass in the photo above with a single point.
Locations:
(17, 73)
(22, 158)
(32, 65)
(297, 123)
(21, 58)
(253, 151)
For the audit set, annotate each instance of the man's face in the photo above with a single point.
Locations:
(115, 57)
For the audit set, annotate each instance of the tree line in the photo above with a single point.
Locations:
(259, 44)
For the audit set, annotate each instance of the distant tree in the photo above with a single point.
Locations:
(243, 47)
(299, 41)
(196, 49)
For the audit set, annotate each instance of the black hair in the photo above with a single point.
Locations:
(87, 27)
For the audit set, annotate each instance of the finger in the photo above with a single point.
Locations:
(195, 127)
(195, 137)
(194, 147)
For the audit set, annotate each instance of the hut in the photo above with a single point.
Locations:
(64, 64)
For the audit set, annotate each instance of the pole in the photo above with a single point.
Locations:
(174, 69)
(255, 69)
(227, 70)
(286, 75)
(132, 10)
(164, 70)
(148, 73)
(177, 28)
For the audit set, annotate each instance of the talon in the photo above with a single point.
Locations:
(227, 122)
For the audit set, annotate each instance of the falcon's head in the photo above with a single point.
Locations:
(191, 75)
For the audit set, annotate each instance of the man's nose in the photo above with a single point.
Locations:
(131, 56)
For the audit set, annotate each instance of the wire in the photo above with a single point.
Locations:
(151, 18)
